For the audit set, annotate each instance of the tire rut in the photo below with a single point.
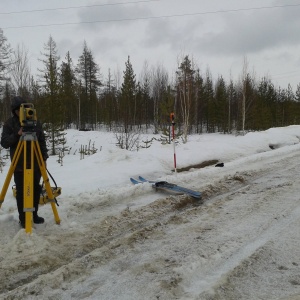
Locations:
(90, 247)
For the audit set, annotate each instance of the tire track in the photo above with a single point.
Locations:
(160, 248)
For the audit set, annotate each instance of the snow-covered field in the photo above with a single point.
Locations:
(122, 241)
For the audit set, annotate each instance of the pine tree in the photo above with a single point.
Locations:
(128, 97)
(297, 94)
(208, 99)
(221, 105)
(89, 74)
(52, 105)
(8, 93)
(35, 92)
(108, 102)
(68, 94)
(231, 106)
(199, 96)
(266, 109)
(297, 104)
(147, 102)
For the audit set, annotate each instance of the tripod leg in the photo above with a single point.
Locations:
(42, 167)
(10, 172)
(28, 187)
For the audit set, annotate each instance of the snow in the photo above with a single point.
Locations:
(122, 241)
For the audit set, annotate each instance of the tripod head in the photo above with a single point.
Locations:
(28, 117)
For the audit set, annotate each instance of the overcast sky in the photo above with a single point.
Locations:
(217, 34)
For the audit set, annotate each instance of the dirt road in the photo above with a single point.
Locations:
(240, 242)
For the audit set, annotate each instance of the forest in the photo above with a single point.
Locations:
(72, 93)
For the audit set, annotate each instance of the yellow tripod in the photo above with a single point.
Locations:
(35, 152)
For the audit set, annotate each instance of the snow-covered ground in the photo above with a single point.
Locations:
(122, 241)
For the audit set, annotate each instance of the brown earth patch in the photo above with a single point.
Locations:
(199, 166)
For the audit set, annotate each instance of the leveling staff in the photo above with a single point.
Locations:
(11, 133)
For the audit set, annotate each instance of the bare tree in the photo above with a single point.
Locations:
(147, 108)
(159, 83)
(5, 52)
(248, 85)
(20, 71)
(117, 77)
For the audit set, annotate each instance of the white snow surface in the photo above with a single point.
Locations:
(117, 240)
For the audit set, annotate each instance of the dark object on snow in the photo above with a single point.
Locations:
(219, 165)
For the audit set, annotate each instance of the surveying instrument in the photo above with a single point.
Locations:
(28, 121)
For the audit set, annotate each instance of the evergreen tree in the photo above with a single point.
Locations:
(199, 96)
(52, 105)
(266, 108)
(231, 106)
(208, 98)
(68, 94)
(109, 102)
(290, 106)
(221, 105)
(297, 94)
(128, 97)
(281, 112)
(89, 74)
(35, 95)
(8, 93)
(147, 103)
(166, 107)
(297, 104)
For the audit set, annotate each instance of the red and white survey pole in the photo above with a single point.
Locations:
(172, 117)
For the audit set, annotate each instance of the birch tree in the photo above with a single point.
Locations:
(5, 52)
(20, 71)
(185, 92)
(158, 87)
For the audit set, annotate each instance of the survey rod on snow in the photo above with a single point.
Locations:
(28, 144)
